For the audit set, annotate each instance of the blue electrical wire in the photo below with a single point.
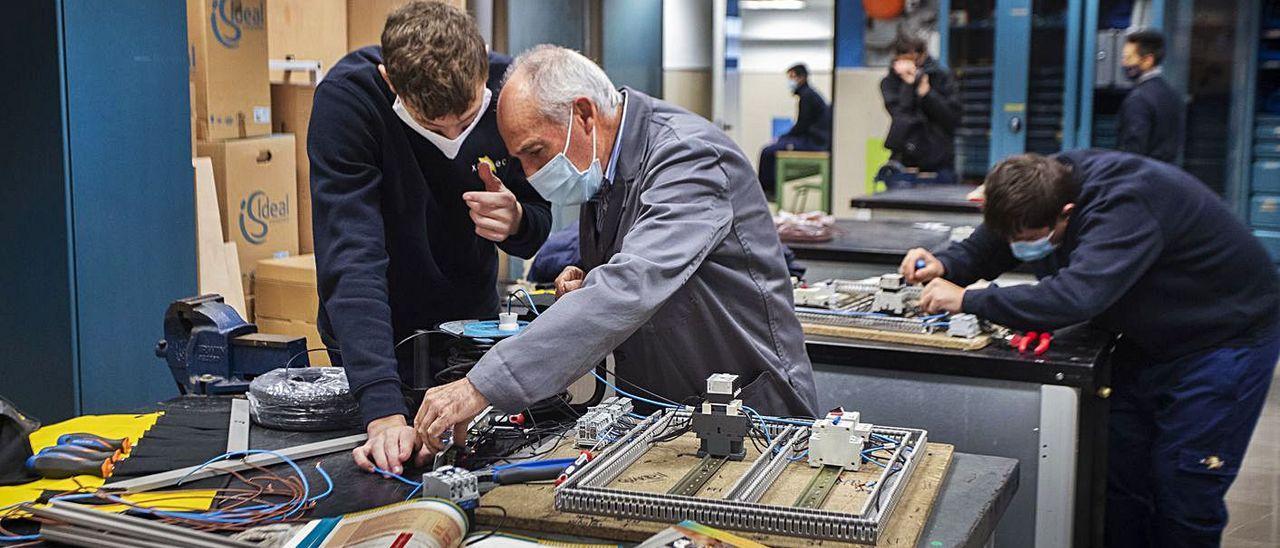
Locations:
(393, 475)
(528, 299)
(847, 313)
(637, 416)
(19, 538)
(799, 457)
(632, 396)
(414, 491)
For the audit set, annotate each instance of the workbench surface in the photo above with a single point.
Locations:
(1078, 357)
(874, 241)
(941, 198)
(973, 495)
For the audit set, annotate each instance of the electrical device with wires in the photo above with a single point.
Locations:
(886, 304)
(749, 503)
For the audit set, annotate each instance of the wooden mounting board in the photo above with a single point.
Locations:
(531, 506)
(922, 339)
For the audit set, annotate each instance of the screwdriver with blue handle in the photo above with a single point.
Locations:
(79, 454)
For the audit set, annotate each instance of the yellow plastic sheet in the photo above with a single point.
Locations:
(107, 426)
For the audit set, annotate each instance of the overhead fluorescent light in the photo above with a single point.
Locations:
(771, 4)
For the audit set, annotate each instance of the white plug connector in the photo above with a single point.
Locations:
(507, 321)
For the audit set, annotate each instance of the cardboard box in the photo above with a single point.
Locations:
(312, 30)
(285, 288)
(257, 189)
(297, 329)
(291, 108)
(228, 54)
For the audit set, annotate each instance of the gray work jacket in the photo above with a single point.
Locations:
(688, 280)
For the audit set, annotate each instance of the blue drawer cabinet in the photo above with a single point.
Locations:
(1264, 211)
(1267, 149)
(1271, 240)
(99, 225)
(1266, 176)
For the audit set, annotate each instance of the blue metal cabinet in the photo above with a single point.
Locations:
(99, 228)
(1012, 67)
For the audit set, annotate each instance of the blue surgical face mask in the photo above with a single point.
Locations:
(1033, 250)
(560, 182)
(793, 85)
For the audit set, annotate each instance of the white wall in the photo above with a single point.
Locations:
(686, 34)
(773, 40)
(859, 116)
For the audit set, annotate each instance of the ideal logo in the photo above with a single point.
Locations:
(256, 212)
(229, 18)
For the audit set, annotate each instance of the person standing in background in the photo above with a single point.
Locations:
(924, 107)
(812, 130)
(1152, 117)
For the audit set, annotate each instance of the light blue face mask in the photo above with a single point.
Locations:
(561, 183)
(1033, 250)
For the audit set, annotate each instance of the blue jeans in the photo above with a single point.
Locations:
(1178, 433)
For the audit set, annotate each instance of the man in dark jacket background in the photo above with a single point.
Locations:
(1142, 249)
(812, 130)
(924, 107)
(407, 208)
(1152, 117)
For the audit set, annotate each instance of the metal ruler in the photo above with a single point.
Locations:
(819, 487)
(693, 481)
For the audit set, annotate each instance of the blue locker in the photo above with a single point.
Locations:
(100, 229)
(1266, 176)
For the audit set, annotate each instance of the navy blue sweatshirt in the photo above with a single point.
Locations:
(922, 130)
(1153, 121)
(1149, 252)
(395, 246)
(812, 119)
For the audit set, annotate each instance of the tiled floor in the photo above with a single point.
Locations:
(1254, 499)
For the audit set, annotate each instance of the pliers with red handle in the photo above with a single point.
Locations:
(1036, 343)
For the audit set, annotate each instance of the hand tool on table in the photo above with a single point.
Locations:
(95, 441)
(1031, 341)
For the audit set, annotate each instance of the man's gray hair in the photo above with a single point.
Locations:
(557, 76)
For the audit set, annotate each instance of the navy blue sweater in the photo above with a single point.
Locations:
(1149, 252)
(396, 249)
(1153, 121)
(813, 121)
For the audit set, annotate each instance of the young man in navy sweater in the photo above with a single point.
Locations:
(1143, 249)
(406, 209)
(1153, 116)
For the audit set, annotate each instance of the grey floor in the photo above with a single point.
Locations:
(1254, 499)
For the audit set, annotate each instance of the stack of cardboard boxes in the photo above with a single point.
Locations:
(254, 171)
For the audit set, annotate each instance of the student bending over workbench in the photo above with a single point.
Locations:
(407, 214)
(1145, 250)
(683, 272)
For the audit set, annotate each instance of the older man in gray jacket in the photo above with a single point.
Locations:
(684, 276)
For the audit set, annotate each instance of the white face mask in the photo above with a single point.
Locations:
(449, 147)
(560, 182)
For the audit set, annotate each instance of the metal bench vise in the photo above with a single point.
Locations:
(210, 349)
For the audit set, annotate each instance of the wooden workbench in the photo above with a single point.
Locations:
(531, 507)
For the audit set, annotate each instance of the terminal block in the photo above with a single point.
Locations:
(837, 440)
(964, 326)
(454, 484)
(594, 425)
(719, 422)
(890, 296)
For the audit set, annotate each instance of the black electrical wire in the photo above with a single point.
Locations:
(289, 363)
(501, 522)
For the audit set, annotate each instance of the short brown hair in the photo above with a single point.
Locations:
(908, 44)
(1027, 192)
(435, 57)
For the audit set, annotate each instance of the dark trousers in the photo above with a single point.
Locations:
(769, 159)
(1178, 434)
